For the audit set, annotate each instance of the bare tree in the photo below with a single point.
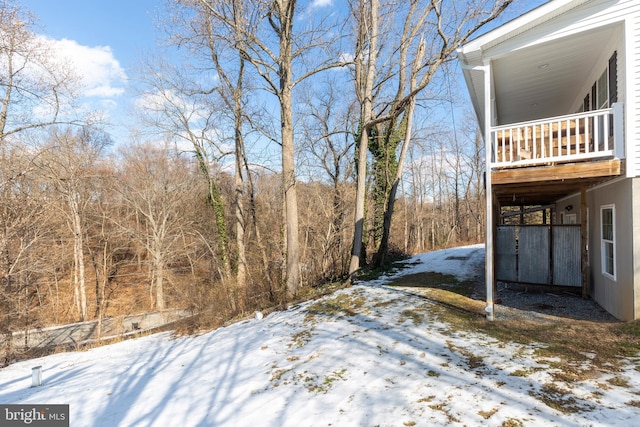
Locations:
(68, 165)
(24, 228)
(177, 108)
(108, 244)
(327, 150)
(37, 89)
(213, 50)
(366, 15)
(36, 86)
(431, 31)
(158, 185)
(253, 26)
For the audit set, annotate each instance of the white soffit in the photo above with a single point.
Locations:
(543, 80)
(519, 25)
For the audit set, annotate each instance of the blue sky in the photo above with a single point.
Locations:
(106, 40)
(127, 26)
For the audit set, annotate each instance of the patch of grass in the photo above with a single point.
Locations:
(630, 328)
(383, 304)
(276, 376)
(512, 422)
(300, 339)
(366, 274)
(569, 340)
(436, 280)
(568, 373)
(306, 293)
(559, 399)
(326, 384)
(433, 373)
(343, 305)
(487, 414)
(473, 360)
(618, 382)
(416, 315)
(443, 408)
(426, 399)
(521, 373)
(634, 403)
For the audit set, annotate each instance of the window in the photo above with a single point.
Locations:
(607, 221)
(586, 104)
(613, 78)
(603, 91)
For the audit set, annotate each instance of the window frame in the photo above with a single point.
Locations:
(605, 243)
(602, 90)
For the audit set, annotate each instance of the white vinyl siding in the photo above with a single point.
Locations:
(633, 92)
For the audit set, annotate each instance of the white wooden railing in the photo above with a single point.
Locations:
(581, 136)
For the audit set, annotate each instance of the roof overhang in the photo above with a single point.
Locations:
(536, 70)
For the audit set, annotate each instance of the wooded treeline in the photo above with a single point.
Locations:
(192, 210)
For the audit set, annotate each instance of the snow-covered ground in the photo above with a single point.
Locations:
(365, 356)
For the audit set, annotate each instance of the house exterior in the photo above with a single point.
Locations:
(557, 96)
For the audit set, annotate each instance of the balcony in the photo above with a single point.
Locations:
(565, 139)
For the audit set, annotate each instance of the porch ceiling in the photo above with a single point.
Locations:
(542, 80)
(546, 185)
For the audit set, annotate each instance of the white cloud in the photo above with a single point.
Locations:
(166, 105)
(321, 3)
(169, 100)
(100, 73)
(312, 7)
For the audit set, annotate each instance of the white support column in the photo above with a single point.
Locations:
(489, 277)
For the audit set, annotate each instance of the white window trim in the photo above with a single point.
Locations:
(603, 241)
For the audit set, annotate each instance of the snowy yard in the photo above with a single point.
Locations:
(369, 355)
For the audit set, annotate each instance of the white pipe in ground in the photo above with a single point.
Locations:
(36, 376)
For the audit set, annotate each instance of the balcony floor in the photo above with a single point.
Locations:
(543, 185)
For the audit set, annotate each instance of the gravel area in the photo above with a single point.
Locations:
(539, 303)
(546, 304)
(513, 301)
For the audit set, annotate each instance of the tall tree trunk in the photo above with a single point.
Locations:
(159, 283)
(290, 195)
(80, 292)
(157, 269)
(358, 233)
(365, 73)
(217, 204)
(285, 68)
(241, 267)
(391, 201)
